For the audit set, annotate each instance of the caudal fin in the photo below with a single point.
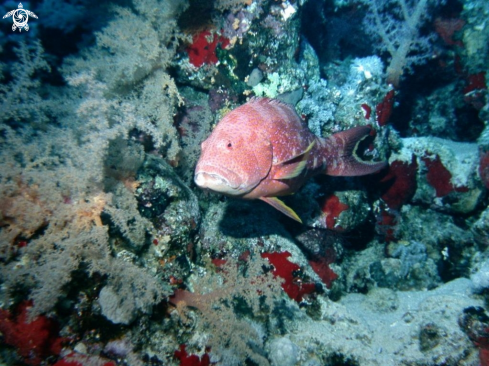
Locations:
(341, 154)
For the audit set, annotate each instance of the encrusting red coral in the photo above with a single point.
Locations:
(446, 28)
(475, 323)
(397, 188)
(474, 91)
(439, 177)
(383, 110)
(332, 207)
(202, 51)
(399, 184)
(192, 360)
(368, 111)
(34, 340)
(388, 224)
(321, 266)
(287, 270)
(484, 168)
(75, 359)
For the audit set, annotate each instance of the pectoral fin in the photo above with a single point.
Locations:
(294, 166)
(282, 207)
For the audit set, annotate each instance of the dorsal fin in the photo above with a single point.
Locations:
(293, 166)
(266, 100)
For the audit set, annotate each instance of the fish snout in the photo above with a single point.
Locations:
(206, 180)
(216, 182)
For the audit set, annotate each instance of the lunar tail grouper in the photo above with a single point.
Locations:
(263, 149)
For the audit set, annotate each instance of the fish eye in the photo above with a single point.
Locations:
(229, 145)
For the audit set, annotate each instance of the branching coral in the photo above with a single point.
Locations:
(19, 99)
(397, 23)
(218, 297)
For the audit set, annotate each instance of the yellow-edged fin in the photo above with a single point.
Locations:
(291, 169)
(282, 207)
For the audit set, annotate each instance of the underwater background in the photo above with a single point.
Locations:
(111, 255)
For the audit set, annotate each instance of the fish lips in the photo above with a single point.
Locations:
(218, 179)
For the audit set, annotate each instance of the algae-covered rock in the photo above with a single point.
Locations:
(447, 178)
(168, 203)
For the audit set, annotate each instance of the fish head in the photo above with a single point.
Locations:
(233, 161)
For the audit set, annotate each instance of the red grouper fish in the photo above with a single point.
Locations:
(263, 149)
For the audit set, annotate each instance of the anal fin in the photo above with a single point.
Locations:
(282, 207)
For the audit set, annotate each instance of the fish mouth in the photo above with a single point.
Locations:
(217, 181)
